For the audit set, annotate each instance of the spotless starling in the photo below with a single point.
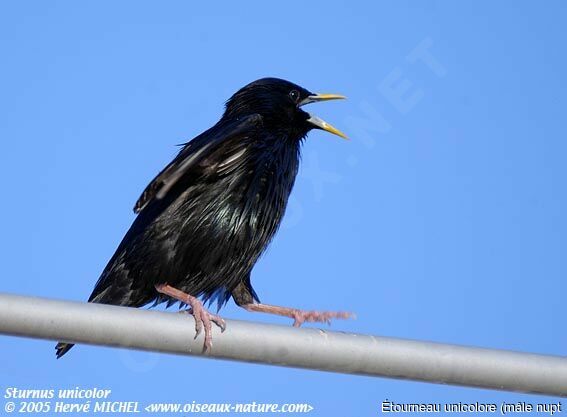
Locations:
(209, 214)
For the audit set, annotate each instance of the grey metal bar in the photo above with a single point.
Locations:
(285, 346)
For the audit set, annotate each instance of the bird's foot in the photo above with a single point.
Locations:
(203, 318)
(302, 316)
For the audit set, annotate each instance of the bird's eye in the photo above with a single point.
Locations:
(294, 94)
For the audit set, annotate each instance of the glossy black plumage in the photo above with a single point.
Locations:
(205, 219)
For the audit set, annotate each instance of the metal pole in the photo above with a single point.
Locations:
(285, 346)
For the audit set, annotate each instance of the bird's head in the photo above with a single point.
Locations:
(279, 102)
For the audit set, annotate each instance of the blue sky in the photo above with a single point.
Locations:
(444, 218)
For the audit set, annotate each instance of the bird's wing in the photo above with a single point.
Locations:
(194, 153)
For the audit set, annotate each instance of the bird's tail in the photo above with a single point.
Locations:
(63, 348)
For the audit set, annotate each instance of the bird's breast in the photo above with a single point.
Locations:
(226, 222)
(259, 195)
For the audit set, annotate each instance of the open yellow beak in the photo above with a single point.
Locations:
(321, 97)
(316, 121)
(321, 124)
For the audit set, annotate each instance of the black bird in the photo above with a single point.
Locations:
(206, 218)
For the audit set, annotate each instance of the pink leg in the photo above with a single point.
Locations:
(299, 316)
(203, 319)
